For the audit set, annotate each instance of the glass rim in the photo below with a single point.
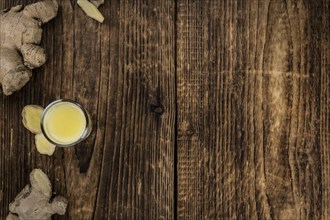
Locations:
(49, 106)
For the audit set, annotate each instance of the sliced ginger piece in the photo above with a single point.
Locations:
(91, 10)
(31, 118)
(43, 145)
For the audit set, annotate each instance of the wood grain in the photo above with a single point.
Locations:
(123, 72)
(325, 110)
(251, 138)
(213, 109)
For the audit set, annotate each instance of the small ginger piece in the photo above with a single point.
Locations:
(31, 116)
(43, 145)
(33, 201)
(91, 10)
(20, 36)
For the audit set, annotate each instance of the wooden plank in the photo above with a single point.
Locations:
(192, 92)
(123, 72)
(137, 176)
(249, 91)
(325, 110)
(17, 152)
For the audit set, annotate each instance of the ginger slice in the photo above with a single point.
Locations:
(31, 118)
(43, 145)
(91, 10)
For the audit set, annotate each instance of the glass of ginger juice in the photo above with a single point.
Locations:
(65, 123)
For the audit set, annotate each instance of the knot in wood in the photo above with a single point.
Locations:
(157, 108)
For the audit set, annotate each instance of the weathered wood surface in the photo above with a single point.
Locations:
(123, 72)
(253, 109)
(215, 109)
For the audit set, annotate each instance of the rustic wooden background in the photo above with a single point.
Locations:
(202, 109)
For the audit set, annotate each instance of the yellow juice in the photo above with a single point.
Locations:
(65, 123)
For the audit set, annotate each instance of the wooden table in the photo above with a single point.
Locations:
(215, 109)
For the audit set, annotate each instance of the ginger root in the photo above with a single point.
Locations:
(31, 117)
(91, 9)
(43, 145)
(33, 201)
(20, 36)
